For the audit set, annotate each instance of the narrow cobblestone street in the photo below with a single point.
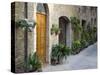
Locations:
(87, 59)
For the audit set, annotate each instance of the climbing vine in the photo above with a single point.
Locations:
(76, 27)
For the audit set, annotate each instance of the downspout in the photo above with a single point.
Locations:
(26, 39)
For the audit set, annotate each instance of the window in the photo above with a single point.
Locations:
(84, 24)
(40, 8)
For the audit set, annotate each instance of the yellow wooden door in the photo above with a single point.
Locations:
(41, 37)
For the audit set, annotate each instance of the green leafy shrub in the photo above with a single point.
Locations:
(55, 29)
(90, 35)
(76, 27)
(83, 43)
(34, 62)
(58, 53)
(76, 45)
(95, 33)
(25, 23)
(76, 24)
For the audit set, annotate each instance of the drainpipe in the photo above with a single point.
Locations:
(26, 40)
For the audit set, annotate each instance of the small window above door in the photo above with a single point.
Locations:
(41, 8)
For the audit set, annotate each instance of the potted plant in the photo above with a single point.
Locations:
(65, 51)
(83, 43)
(55, 29)
(76, 46)
(25, 23)
(52, 31)
(58, 53)
(54, 55)
(34, 63)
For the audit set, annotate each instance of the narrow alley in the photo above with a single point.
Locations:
(87, 59)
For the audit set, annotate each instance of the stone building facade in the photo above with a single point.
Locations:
(54, 12)
(88, 15)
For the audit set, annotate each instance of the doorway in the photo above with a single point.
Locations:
(64, 37)
(41, 32)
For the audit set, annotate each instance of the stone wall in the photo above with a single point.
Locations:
(19, 47)
(19, 38)
(56, 11)
(31, 34)
(89, 15)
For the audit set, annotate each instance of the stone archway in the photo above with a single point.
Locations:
(42, 36)
(64, 37)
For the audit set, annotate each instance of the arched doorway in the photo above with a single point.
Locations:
(42, 31)
(64, 37)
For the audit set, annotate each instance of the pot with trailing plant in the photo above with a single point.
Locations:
(25, 23)
(34, 63)
(55, 29)
(52, 31)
